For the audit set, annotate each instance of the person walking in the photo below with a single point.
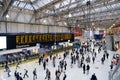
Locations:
(34, 74)
(107, 55)
(47, 70)
(93, 59)
(102, 60)
(8, 71)
(17, 76)
(49, 75)
(64, 77)
(93, 77)
(40, 60)
(17, 64)
(6, 66)
(25, 73)
(44, 65)
(20, 78)
(87, 68)
(65, 65)
(111, 67)
(84, 67)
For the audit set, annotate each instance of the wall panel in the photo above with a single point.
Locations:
(21, 28)
(2, 28)
(28, 28)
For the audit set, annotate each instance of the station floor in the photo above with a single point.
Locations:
(73, 73)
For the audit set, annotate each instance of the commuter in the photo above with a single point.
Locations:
(64, 77)
(25, 73)
(20, 78)
(65, 65)
(93, 59)
(58, 75)
(49, 75)
(102, 60)
(94, 77)
(17, 64)
(17, 76)
(40, 60)
(34, 74)
(84, 68)
(107, 55)
(8, 71)
(47, 70)
(44, 65)
(87, 68)
(6, 66)
(111, 67)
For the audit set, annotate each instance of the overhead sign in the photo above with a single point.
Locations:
(27, 40)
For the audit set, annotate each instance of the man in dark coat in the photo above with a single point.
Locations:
(94, 77)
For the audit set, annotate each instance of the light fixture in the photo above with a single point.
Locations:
(70, 15)
(113, 24)
(93, 24)
(7, 16)
(32, 0)
(21, 0)
(44, 21)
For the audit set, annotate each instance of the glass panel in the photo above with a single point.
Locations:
(28, 6)
(15, 3)
(21, 5)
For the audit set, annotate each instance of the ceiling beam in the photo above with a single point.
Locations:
(49, 5)
(6, 5)
(74, 9)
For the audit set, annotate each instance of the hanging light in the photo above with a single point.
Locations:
(44, 21)
(93, 24)
(113, 24)
(7, 16)
(70, 15)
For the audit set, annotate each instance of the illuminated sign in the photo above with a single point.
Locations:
(21, 40)
(35, 38)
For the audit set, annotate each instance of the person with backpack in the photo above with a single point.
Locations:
(25, 73)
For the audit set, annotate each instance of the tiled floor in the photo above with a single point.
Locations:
(74, 73)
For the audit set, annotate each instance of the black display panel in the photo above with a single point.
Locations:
(30, 39)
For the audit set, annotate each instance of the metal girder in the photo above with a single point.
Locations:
(49, 4)
(100, 22)
(80, 16)
(6, 5)
(18, 13)
(30, 23)
(73, 10)
(26, 11)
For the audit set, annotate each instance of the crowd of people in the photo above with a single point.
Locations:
(82, 57)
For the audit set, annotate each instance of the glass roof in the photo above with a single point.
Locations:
(94, 10)
(36, 5)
